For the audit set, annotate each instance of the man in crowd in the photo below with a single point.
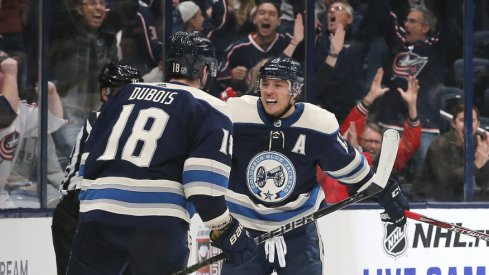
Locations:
(442, 177)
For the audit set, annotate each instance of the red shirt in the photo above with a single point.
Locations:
(409, 144)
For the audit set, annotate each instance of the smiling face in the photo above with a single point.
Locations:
(339, 13)
(267, 20)
(276, 96)
(93, 12)
(371, 142)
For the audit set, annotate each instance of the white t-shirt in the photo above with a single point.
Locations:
(25, 125)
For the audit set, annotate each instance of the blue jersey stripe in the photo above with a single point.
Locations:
(279, 216)
(361, 166)
(133, 197)
(205, 176)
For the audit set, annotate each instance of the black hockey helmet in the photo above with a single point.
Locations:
(188, 53)
(114, 75)
(284, 68)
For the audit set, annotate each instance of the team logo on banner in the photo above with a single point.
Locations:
(8, 145)
(270, 176)
(395, 239)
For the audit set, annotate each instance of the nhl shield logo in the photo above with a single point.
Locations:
(270, 177)
(395, 239)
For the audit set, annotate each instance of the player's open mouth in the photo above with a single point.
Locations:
(266, 25)
(271, 101)
(333, 18)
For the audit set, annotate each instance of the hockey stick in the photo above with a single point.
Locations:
(390, 144)
(446, 225)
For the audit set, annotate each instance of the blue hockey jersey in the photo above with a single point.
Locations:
(273, 175)
(153, 149)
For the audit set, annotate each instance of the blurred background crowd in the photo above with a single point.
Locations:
(378, 64)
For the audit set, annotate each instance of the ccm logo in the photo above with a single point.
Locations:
(236, 234)
(396, 192)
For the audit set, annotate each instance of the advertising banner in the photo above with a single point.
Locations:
(26, 247)
(357, 242)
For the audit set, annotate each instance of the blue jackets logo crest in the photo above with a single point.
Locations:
(408, 64)
(270, 176)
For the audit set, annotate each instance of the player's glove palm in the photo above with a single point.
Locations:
(236, 243)
(394, 203)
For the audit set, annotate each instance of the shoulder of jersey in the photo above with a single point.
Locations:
(318, 119)
(243, 109)
(198, 94)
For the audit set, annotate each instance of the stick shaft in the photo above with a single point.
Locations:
(372, 190)
(446, 225)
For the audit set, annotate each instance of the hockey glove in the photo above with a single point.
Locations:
(394, 203)
(236, 243)
(279, 243)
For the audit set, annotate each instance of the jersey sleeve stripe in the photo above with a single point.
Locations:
(204, 188)
(207, 164)
(204, 176)
(361, 168)
(352, 166)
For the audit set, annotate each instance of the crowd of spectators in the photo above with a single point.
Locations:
(407, 43)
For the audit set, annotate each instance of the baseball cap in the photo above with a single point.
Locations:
(187, 9)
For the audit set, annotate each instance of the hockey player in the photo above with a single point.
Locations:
(65, 215)
(277, 145)
(153, 150)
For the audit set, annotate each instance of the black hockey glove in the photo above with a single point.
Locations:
(394, 203)
(236, 243)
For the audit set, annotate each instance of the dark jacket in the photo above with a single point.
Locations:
(443, 176)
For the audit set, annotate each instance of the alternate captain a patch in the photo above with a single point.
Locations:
(270, 176)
